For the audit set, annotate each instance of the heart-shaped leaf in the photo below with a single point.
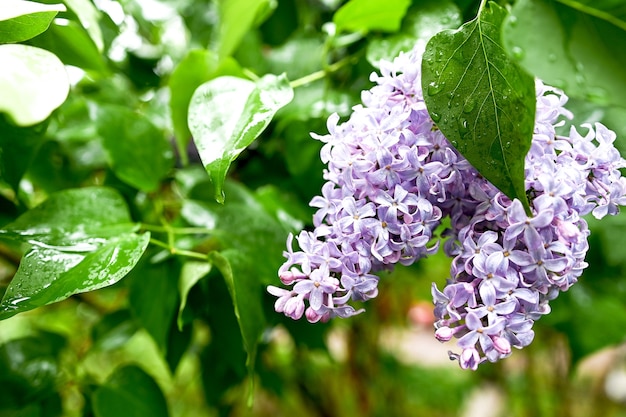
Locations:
(482, 101)
(227, 114)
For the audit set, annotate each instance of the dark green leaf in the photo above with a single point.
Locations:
(227, 114)
(48, 274)
(613, 11)
(584, 57)
(113, 330)
(153, 298)
(137, 150)
(33, 83)
(22, 20)
(18, 146)
(79, 240)
(368, 15)
(198, 67)
(241, 278)
(481, 100)
(191, 273)
(129, 392)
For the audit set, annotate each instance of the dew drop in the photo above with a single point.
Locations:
(597, 94)
(518, 53)
(469, 106)
(513, 21)
(463, 127)
(552, 57)
(435, 116)
(434, 88)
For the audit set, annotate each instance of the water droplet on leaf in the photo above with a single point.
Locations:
(435, 116)
(518, 53)
(469, 106)
(434, 88)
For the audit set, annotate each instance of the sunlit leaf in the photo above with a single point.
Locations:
(237, 17)
(198, 67)
(137, 150)
(585, 55)
(33, 83)
(368, 15)
(129, 392)
(423, 20)
(227, 114)
(89, 18)
(481, 100)
(21, 20)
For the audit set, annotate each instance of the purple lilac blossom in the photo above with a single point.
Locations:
(391, 178)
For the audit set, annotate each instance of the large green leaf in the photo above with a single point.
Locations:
(137, 150)
(198, 67)
(33, 83)
(78, 241)
(21, 20)
(129, 392)
(227, 114)
(89, 18)
(236, 18)
(482, 101)
(585, 55)
(368, 15)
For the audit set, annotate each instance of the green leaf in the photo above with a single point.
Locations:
(227, 114)
(198, 67)
(18, 146)
(368, 15)
(129, 392)
(481, 100)
(113, 330)
(21, 20)
(33, 83)
(79, 240)
(238, 17)
(89, 18)
(423, 20)
(239, 272)
(137, 150)
(613, 11)
(153, 298)
(191, 273)
(584, 57)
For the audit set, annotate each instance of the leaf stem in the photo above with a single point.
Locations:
(318, 75)
(176, 251)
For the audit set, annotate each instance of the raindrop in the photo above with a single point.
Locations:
(597, 94)
(469, 106)
(518, 53)
(552, 57)
(462, 125)
(434, 88)
(513, 21)
(435, 116)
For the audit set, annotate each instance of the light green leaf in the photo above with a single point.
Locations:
(89, 18)
(33, 83)
(368, 15)
(423, 20)
(585, 55)
(238, 17)
(239, 272)
(79, 240)
(129, 392)
(481, 100)
(21, 20)
(137, 150)
(191, 273)
(227, 114)
(198, 67)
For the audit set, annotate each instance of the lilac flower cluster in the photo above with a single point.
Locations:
(391, 179)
